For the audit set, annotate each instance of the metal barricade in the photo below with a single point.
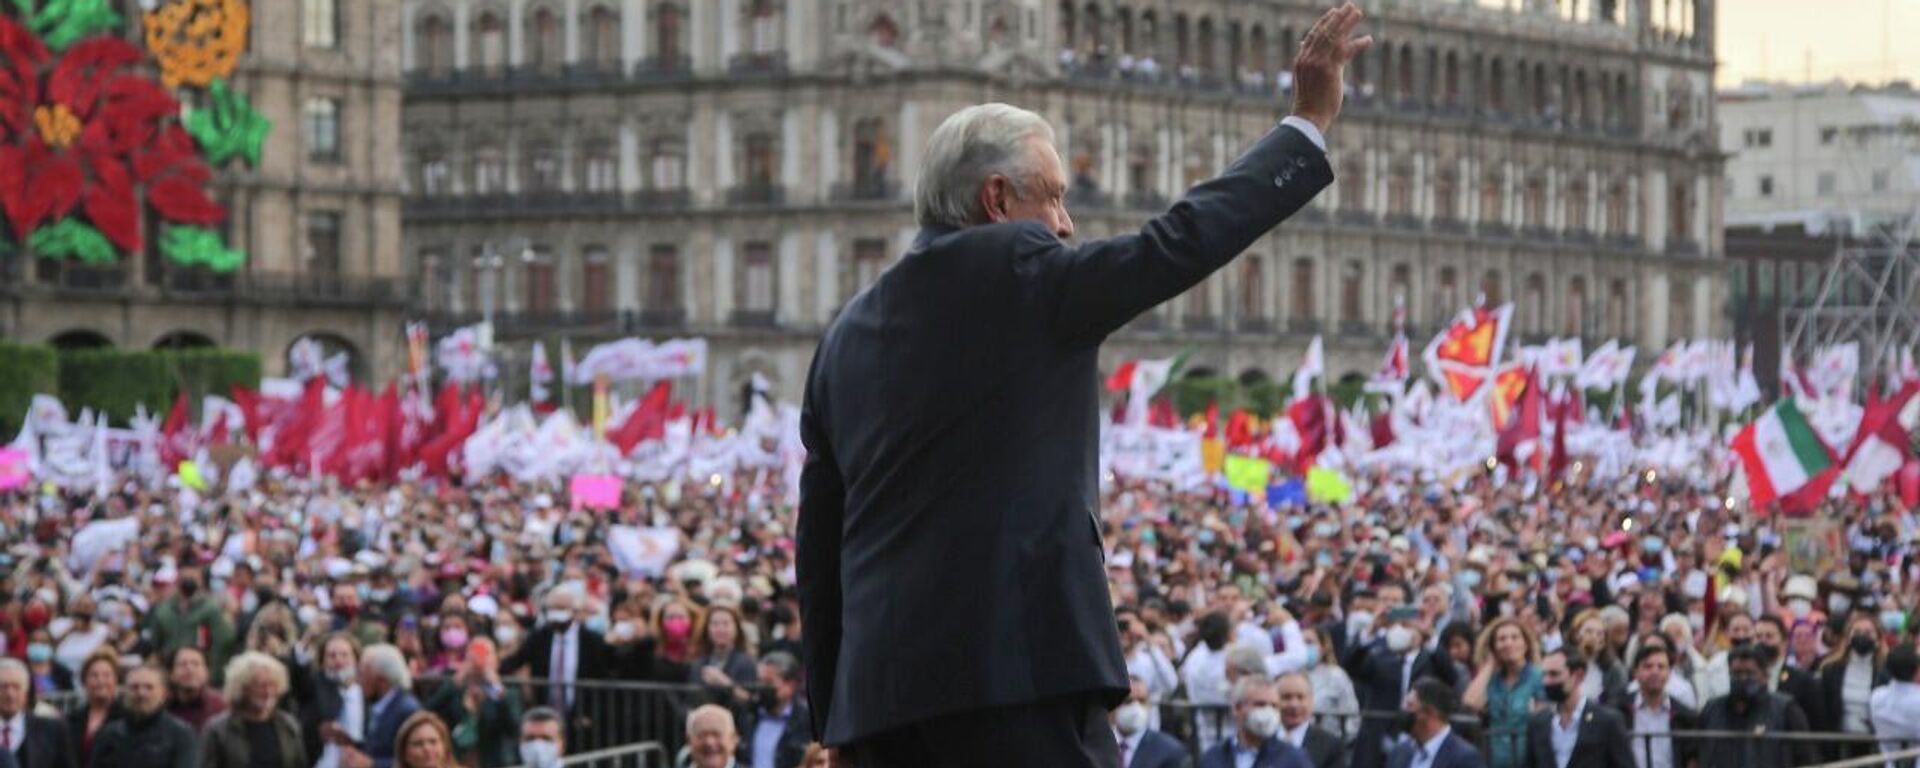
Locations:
(646, 755)
(606, 714)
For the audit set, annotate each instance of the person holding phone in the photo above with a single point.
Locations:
(481, 711)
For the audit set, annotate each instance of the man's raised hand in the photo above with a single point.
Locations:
(1319, 70)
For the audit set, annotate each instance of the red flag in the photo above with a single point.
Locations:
(1558, 464)
(326, 435)
(1382, 429)
(1309, 417)
(1523, 425)
(1239, 429)
(1213, 420)
(249, 403)
(293, 423)
(176, 441)
(647, 422)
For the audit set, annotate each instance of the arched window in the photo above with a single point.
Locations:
(433, 45)
(668, 18)
(1352, 296)
(490, 36)
(596, 281)
(763, 26)
(1302, 311)
(602, 38)
(1534, 313)
(1577, 203)
(1490, 288)
(1446, 198)
(1206, 48)
(1253, 288)
(1575, 323)
(1617, 209)
(539, 297)
(1618, 317)
(1446, 295)
(760, 160)
(545, 46)
(1493, 200)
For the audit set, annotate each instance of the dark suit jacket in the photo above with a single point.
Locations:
(1801, 686)
(1601, 743)
(383, 731)
(1833, 680)
(536, 655)
(1376, 674)
(46, 745)
(1454, 752)
(793, 739)
(1324, 749)
(319, 703)
(77, 729)
(949, 552)
(1158, 750)
(1276, 753)
(1679, 718)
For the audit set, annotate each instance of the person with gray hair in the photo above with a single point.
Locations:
(949, 559)
(33, 741)
(1256, 739)
(543, 738)
(384, 681)
(711, 738)
(253, 731)
(781, 726)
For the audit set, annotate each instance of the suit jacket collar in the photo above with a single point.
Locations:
(931, 233)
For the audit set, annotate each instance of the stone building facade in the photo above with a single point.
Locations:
(738, 169)
(319, 216)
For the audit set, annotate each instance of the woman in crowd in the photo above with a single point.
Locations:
(485, 714)
(79, 637)
(1606, 678)
(100, 679)
(1332, 689)
(453, 637)
(671, 658)
(1848, 676)
(47, 677)
(423, 742)
(1508, 682)
(723, 657)
(254, 733)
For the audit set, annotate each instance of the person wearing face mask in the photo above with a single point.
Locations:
(1576, 732)
(543, 739)
(187, 616)
(1770, 635)
(1332, 689)
(349, 618)
(780, 724)
(1149, 658)
(1255, 742)
(1737, 629)
(333, 705)
(1384, 670)
(48, 677)
(1749, 707)
(1140, 745)
(1847, 679)
(1426, 716)
(668, 654)
(481, 713)
(561, 650)
(81, 635)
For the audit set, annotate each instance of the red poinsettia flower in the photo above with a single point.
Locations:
(88, 136)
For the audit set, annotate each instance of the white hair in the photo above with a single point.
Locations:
(386, 661)
(13, 666)
(1247, 685)
(971, 145)
(244, 668)
(574, 596)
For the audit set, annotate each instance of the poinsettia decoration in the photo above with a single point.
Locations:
(84, 134)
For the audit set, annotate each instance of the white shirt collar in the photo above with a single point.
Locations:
(1431, 746)
(1132, 742)
(1579, 709)
(1297, 735)
(1640, 703)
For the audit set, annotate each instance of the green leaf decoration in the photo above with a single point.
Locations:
(199, 246)
(61, 23)
(72, 238)
(26, 9)
(231, 126)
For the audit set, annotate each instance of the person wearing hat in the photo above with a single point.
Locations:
(1384, 669)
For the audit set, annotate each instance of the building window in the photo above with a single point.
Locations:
(1303, 291)
(1493, 208)
(595, 287)
(1576, 307)
(669, 164)
(545, 48)
(763, 26)
(758, 149)
(323, 130)
(436, 276)
(1446, 295)
(1353, 186)
(434, 173)
(663, 278)
(1534, 204)
(1827, 135)
(1577, 207)
(1825, 184)
(754, 287)
(871, 153)
(1400, 192)
(869, 259)
(1617, 209)
(1253, 288)
(489, 171)
(1446, 198)
(1534, 314)
(539, 288)
(1680, 214)
(602, 167)
(1490, 288)
(1617, 315)
(492, 38)
(1352, 299)
(433, 46)
(543, 169)
(1766, 186)
(1762, 138)
(323, 243)
(320, 23)
(666, 23)
(602, 38)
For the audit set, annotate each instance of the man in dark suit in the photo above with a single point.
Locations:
(779, 728)
(1431, 742)
(386, 683)
(1323, 749)
(1256, 712)
(1651, 710)
(1384, 670)
(561, 651)
(949, 553)
(1140, 746)
(1770, 633)
(34, 742)
(1576, 733)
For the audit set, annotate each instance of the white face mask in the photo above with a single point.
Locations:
(1399, 639)
(539, 754)
(1800, 607)
(1130, 718)
(1838, 603)
(1263, 722)
(559, 618)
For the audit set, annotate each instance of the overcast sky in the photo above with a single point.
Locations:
(1773, 39)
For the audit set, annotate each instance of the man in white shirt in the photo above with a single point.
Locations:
(1895, 707)
(1430, 741)
(1653, 710)
(1323, 748)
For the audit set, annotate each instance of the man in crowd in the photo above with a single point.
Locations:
(1256, 741)
(147, 737)
(188, 615)
(34, 741)
(1650, 710)
(1770, 634)
(1750, 708)
(1141, 746)
(384, 681)
(781, 726)
(1384, 669)
(711, 739)
(1431, 743)
(190, 697)
(543, 740)
(562, 651)
(1323, 749)
(1576, 732)
(333, 700)
(1896, 707)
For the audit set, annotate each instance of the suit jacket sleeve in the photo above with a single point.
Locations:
(1098, 286)
(817, 559)
(1339, 753)
(521, 656)
(1615, 741)
(1539, 744)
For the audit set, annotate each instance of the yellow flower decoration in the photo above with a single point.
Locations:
(197, 41)
(58, 125)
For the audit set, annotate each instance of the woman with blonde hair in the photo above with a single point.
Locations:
(1508, 659)
(253, 732)
(423, 741)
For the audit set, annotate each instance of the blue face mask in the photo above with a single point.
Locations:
(596, 625)
(1470, 579)
(1893, 621)
(1148, 536)
(1206, 536)
(1651, 544)
(1323, 560)
(1313, 655)
(39, 653)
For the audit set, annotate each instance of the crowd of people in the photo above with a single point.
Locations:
(1420, 624)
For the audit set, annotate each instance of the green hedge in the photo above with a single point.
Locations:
(118, 381)
(25, 371)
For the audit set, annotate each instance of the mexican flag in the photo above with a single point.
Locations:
(1141, 380)
(1780, 453)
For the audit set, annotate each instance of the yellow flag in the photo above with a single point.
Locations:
(190, 476)
(1326, 486)
(1246, 473)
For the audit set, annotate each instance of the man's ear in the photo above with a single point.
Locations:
(994, 195)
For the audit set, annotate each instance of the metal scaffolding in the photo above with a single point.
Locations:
(1871, 295)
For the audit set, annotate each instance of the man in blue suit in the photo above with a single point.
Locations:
(1140, 746)
(387, 686)
(1256, 743)
(949, 557)
(1430, 741)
